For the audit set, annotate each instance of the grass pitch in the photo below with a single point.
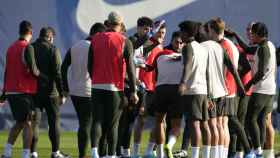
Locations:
(69, 144)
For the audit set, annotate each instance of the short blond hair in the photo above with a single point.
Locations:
(115, 18)
(217, 24)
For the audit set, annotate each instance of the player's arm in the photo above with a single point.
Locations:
(130, 68)
(233, 71)
(90, 60)
(264, 57)
(56, 71)
(187, 54)
(64, 69)
(248, 49)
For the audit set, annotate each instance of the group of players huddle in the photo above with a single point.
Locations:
(222, 87)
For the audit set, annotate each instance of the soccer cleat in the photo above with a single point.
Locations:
(180, 154)
(34, 155)
(3, 156)
(149, 156)
(59, 155)
(136, 156)
(259, 156)
(155, 153)
(168, 152)
(250, 155)
(277, 155)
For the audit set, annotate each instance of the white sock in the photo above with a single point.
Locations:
(171, 141)
(206, 151)
(160, 151)
(8, 150)
(150, 148)
(136, 149)
(225, 152)
(121, 150)
(258, 151)
(26, 153)
(239, 154)
(214, 152)
(221, 151)
(195, 152)
(94, 152)
(126, 152)
(35, 154)
(56, 152)
(268, 153)
(111, 156)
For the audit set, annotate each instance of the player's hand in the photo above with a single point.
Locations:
(210, 104)
(247, 88)
(2, 99)
(229, 32)
(182, 89)
(156, 27)
(62, 100)
(175, 57)
(138, 82)
(139, 62)
(2, 103)
(133, 98)
(141, 110)
(241, 92)
(142, 66)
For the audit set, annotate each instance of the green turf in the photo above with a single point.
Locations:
(69, 144)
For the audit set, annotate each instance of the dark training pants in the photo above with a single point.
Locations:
(106, 112)
(259, 106)
(51, 106)
(128, 117)
(236, 129)
(241, 115)
(83, 107)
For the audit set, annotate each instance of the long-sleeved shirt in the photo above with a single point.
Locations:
(48, 60)
(264, 69)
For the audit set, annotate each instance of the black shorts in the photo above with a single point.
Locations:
(21, 106)
(167, 99)
(196, 106)
(220, 106)
(149, 103)
(212, 112)
(231, 106)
